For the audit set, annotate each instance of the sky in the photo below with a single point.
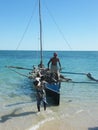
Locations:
(66, 25)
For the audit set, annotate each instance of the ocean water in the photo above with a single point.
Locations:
(17, 90)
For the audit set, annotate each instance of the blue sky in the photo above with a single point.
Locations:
(67, 24)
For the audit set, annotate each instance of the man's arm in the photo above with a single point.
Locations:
(59, 64)
(49, 63)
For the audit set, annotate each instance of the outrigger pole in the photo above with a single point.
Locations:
(18, 67)
(74, 73)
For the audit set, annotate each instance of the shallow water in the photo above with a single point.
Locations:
(16, 91)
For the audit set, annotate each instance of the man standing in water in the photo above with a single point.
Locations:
(40, 91)
(54, 64)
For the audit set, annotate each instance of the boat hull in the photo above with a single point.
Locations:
(53, 90)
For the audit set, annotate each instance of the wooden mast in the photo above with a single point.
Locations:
(40, 22)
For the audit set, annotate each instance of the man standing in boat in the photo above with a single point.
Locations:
(54, 65)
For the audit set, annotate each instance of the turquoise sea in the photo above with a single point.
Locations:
(16, 91)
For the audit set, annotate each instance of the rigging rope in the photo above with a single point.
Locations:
(28, 24)
(19, 73)
(62, 34)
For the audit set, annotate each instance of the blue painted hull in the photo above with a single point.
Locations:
(53, 90)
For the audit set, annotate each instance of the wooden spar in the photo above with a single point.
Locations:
(79, 82)
(74, 73)
(40, 24)
(18, 67)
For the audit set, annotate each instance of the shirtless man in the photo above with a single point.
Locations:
(54, 64)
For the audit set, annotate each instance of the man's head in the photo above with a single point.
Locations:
(55, 54)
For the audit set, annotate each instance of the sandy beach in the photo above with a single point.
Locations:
(16, 119)
(81, 120)
(73, 123)
(71, 118)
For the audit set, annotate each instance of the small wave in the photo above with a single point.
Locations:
(79, 111)
(41, 123)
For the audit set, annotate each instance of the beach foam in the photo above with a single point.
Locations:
(41, 123)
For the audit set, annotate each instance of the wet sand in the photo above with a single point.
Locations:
(16, 119)
(70, 118)
(80, 121)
